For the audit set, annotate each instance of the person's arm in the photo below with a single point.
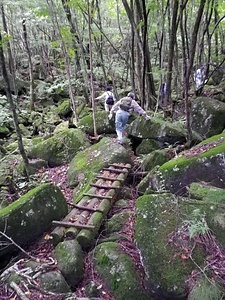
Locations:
(115, 106)
(101, 96)
(135, 106)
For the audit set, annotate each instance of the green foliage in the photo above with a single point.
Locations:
(205, 290)
(197, 224)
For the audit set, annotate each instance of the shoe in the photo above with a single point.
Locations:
(119, 142)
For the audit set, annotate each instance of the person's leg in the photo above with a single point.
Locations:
(120, 123)
(107, 107)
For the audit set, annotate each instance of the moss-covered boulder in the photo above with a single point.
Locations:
(4, 131)
(205, 289)
(208, 116)
(87, 163)
(69, 257)
(54, 282)
(165, 244)
(204, 162)
(61, 147)
(157, 157)
(205, 191)
(147, 146)
(156, 128)
(64, 109)
(118, 272)
(117, 221)
(30, 215)
(103, 124)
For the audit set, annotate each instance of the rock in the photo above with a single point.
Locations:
(54, 282)
(118, 272)
(61, 147)
(69, 258)
(204, 162)
(166, 260)
(103, 124)
(208, 116)
(87, 163)
(117, 221)
(157, 157)
(30, 215)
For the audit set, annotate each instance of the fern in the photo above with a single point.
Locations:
(197, 225)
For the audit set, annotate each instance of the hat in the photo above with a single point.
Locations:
(131, 95)
(107, 88)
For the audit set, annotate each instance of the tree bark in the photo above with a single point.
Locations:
(13, 110)
(32, 96)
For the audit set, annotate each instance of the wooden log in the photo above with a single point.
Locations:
(71, 231)
(70, 224)
(85, 237)
(97, 196)
(108, 178)
(56, 236)
(81, 207)
(115, 170)
(128, 166)
(104, 186)
(59, 232)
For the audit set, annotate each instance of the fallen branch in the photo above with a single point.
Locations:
(18, 291)
(20, 248)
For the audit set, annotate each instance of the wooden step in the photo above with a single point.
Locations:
(105, 186)
(70, 224)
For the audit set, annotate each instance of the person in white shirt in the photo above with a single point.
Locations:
(199, 79)
(108, 97)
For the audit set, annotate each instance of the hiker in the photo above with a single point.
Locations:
(108, 97)
(199, 79)
(123, 108)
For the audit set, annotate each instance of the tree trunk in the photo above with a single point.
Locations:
(11, 61)
(32, 96)
(189, 68)
(173, 32)
(12, 106)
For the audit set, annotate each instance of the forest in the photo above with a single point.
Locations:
(56, 57)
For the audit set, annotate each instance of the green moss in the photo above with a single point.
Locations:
(64, 108)
(205, 289)
(206, 193)
(30, 215)
(86, 164)
(157, 217)
(182, 162)
(118, 272)
(61, 147)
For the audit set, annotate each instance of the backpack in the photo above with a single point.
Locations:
(126, 103)
(110, 100)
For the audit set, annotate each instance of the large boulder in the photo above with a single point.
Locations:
(204, 162)
(30, 215)
(69, 257)
(118, 272)
(208, 116)
(168, 233)
(158, 129)
(103, 124)
(61, 147)
(87, 163)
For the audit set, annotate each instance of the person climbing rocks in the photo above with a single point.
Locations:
(108, 97)
(199, 79)
(123, 108)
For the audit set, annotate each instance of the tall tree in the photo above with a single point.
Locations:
(32, 95)
(13, 109)
(190, 66)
